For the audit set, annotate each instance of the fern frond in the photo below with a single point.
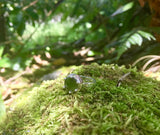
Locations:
(133, 38)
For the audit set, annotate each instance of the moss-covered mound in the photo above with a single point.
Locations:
(102, 108)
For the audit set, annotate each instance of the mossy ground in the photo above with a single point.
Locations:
(132, 108)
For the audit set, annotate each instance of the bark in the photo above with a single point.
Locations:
(2, 28)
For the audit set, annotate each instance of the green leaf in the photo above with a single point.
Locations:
(137, 38)
(131, 41)
(146, 35)
(91, 53)
(21, 28)
(32, 14)
(121, 49)
(5, 62)
(18, 23)
(123, 8)
(128, 44)
(1, 50)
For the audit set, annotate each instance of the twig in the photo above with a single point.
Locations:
(31, 4)
(15, 77)
(55, 7)
(122, 78)
(30, 36)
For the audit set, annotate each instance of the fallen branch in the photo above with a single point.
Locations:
(122, 78)
(31, 4)
(15, 77)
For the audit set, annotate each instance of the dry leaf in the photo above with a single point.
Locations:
(142, 2)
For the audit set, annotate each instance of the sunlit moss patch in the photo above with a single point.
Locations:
(102, 108)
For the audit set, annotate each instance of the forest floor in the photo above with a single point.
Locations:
(13, 83)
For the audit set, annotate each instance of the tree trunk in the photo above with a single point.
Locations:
(2, 28)
(3, 36)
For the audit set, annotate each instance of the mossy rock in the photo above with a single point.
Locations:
(133, 108)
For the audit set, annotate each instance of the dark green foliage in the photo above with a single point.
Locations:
(108, 28)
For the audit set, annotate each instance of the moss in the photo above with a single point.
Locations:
(102, 108)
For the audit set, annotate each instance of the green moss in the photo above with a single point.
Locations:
(103, 108)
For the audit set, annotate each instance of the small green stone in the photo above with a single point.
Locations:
(72, 83)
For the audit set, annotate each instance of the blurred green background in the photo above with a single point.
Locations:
(72, 32)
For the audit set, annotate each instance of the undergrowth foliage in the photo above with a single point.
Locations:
(107, 28)
(103, 108)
